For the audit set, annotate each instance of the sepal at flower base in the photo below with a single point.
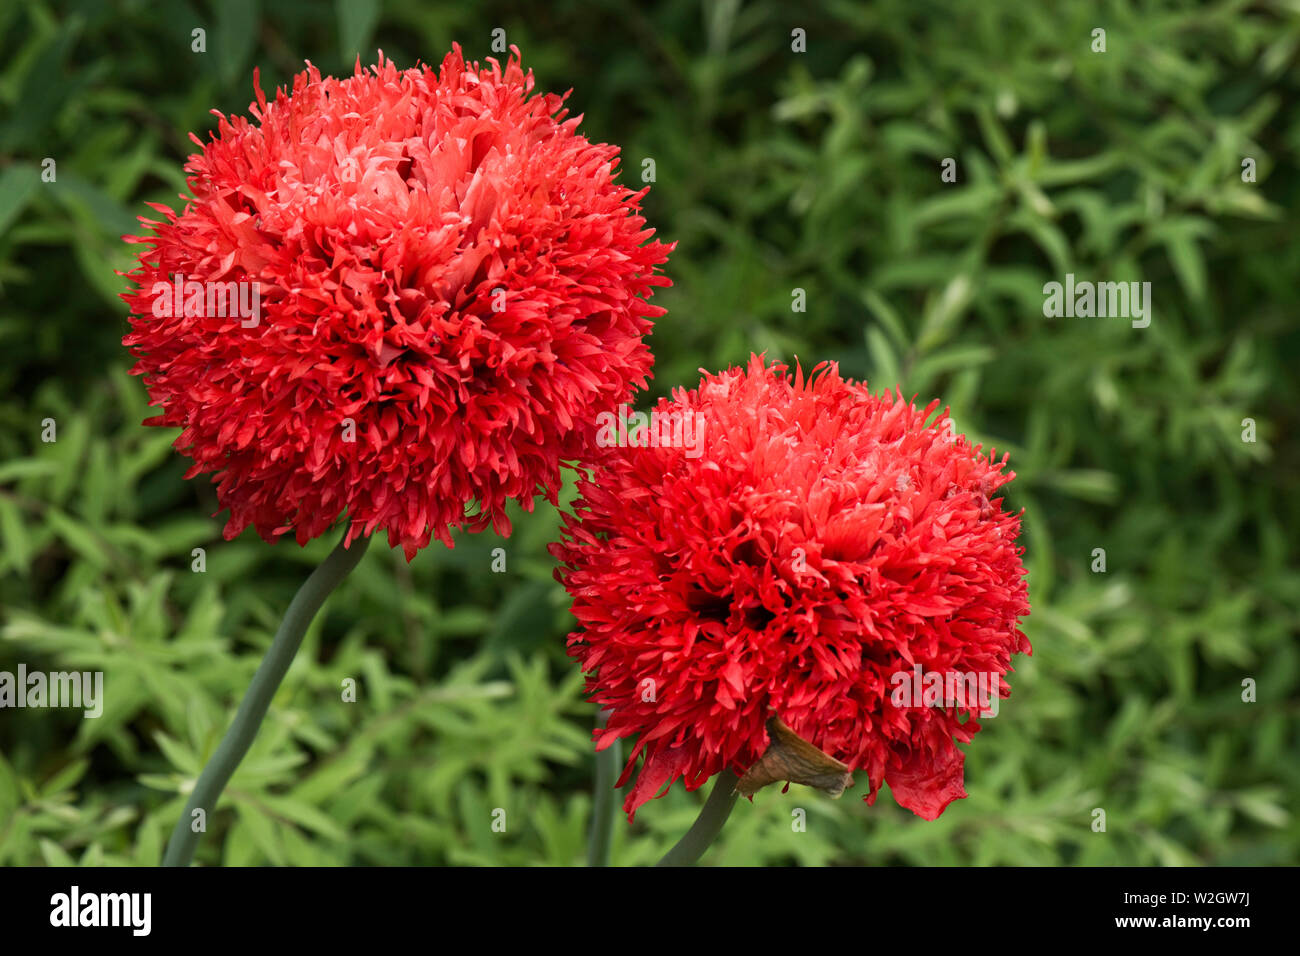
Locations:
(792, 759)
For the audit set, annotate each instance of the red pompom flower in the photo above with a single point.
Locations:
(767, 546)
(394, 295)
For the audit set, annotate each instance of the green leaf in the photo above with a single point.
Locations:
(886, 371)
(13, 529)
(17, 184)
(65, 779)
(262, 831)
(356, 20)
(55, 855)
(236, 37)
(305, 815)
(79, 538)
(181, 757)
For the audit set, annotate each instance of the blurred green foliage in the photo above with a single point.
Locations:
(775, 171)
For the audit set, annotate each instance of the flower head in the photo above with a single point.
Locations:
(824, 541)
(435, 277)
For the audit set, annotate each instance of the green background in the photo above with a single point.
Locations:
(775, 170)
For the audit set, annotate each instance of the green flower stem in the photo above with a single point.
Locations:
(707, 825)
(602, 810)
(215, 776)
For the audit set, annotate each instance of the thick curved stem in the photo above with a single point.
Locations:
(603, 801)
(707, 825)
(233, 747)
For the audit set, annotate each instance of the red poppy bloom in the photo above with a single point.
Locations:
(818, 542)
(393, 295)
